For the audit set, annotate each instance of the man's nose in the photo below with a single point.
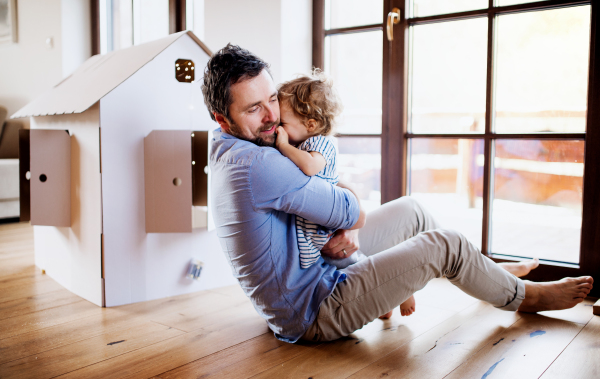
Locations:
(271, 115)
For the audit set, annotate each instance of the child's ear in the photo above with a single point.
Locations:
(311, 125)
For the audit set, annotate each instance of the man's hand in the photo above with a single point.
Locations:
(342, 240)
(282, 137)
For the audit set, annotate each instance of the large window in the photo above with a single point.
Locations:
(353, 44)
(487, 117)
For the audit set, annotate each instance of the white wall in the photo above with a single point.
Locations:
(278, 31)
(31, 66)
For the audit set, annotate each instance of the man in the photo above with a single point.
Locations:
(257, 193)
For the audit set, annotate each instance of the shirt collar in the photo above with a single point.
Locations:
(218, 133)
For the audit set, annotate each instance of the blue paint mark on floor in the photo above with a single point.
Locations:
(491, 369)
(536, 333)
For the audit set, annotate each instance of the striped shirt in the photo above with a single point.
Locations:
(312, 237)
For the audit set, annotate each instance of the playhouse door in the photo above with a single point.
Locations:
(168, 181)
(50, 164)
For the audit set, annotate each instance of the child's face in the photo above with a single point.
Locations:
(293, 125)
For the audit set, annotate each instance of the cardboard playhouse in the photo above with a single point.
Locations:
(115, 169)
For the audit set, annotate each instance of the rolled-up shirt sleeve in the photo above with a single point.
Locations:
(278, 184)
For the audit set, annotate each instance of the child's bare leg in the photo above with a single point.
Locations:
(408, 307)
(519, 269)
(387, 315)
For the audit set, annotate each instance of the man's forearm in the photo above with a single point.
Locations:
(362, 218)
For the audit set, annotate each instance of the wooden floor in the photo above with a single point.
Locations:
(45, 332)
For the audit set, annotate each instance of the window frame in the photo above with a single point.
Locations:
(177, 20)
(395, 135)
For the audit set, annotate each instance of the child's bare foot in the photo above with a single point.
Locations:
(408, 307)
(562, 294)
(387, 315)
(519, 269)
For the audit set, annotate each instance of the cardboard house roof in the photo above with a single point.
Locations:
(98, 76)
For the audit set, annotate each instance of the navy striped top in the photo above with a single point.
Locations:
(312, 237)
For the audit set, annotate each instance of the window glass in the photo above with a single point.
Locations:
(355, 62)
(448, 77)
(423, 8)
(536, 209)
(542, 71)
(122, 23)
(359, 164)
(346, 13)
(153, 16)
(446, 175)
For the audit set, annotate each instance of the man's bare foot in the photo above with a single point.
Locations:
(387, 315)
(562, 294)
(519, 269)
(408, 307)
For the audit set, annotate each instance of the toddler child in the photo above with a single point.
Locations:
(308, 107)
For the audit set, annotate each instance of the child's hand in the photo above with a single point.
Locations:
(282, 137)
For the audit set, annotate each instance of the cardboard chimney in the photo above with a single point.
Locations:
(117, 175)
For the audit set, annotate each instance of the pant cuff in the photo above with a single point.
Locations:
(514, 304)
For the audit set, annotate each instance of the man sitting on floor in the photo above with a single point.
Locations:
(257, 193)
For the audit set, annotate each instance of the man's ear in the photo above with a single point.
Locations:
(222, 121)
(311, 125)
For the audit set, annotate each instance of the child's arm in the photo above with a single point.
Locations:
(309, 162)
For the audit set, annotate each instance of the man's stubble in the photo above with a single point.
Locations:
(236, 131)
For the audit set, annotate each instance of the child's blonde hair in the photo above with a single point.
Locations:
(313, 97)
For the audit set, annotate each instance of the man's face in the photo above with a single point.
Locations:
(254, 112)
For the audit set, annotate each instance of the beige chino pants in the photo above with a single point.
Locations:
(405, 249)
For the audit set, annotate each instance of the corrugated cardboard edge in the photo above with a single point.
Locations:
(200, 43)
(25, 112)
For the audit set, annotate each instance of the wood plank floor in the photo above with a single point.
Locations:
(47, 332)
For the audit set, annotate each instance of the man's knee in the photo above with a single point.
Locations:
(406, 204)
(410, 201)
(449, 240)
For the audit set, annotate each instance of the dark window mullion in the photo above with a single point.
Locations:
(318, 34)
(590, 229)
(488, 143)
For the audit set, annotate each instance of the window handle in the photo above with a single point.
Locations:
(392, 19)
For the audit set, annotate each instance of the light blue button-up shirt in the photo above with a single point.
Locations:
(256, 194)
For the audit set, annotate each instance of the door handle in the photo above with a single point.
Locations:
(392, 19)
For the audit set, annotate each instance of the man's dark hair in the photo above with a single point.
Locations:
(226, 67)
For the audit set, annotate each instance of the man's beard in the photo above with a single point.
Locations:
(235, 130)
